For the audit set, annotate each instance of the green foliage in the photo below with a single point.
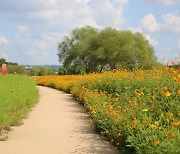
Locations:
(95, 49)
(17, 95)
(43, 71)
(75, 69)
(40, 71)
(15, 69)
(75, 50)
(34, 71)
(3, 61)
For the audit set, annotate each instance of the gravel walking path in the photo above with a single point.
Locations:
(56, 125)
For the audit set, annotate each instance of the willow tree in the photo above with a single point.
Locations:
(93, 49)
(75, 49)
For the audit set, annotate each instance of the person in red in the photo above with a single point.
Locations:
(4, 69)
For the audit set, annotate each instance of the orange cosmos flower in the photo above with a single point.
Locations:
(134, 121)
(135, 92)
(133, 126)
(129, 102)
(176, 123)
(165, 88)
(119, 134)
(171, 114)
(127, 126)
(145, 122)
(135, 103)
(169, 133)
(156, 141)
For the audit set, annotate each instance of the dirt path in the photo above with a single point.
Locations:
(57, 125)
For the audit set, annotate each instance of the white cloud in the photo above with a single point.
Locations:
(150, 24)
(3, 55)
(152, 41)
(23, 28)
(109, 12)
(178, 44)
(171, 23)
(41, 44)
(48, 15)
(47, 10)
(136, 29)
(164, 2)
(4, 41)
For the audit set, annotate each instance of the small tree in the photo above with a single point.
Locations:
(2, 61)
(14, 69)
(44, 71)
(34, 71)
(20, 69)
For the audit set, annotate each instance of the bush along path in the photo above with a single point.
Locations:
(57, 125)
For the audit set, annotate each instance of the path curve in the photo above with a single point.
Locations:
(56, 125)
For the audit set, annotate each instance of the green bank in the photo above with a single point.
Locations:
(17, 95)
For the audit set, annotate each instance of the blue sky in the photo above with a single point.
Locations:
(31, 29)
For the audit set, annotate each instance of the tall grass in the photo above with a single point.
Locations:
(17, 95)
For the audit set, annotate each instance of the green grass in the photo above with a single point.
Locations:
(17, 95)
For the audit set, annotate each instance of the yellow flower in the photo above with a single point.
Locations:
(179, 92)
(167, 94)
(145, 110)
(156, 123)
(152, 126)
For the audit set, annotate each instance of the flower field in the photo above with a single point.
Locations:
(137, 111)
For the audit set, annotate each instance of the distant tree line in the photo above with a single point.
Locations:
(40, 71)
(3, 61)
(14, 68)
(88, 50)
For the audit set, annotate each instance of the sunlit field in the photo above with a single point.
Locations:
(17, 95)
(137, 110)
